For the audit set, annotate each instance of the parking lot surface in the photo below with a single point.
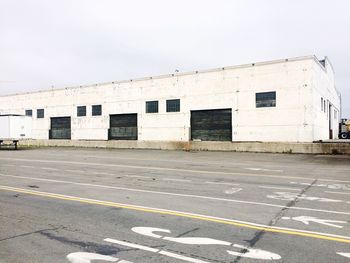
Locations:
(94, 205)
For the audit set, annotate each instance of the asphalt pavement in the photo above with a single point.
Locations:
(95, 205)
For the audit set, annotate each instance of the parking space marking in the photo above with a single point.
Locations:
(168, 169)
(237, 223)
(282, 188)
(153, 250)
(175, 194)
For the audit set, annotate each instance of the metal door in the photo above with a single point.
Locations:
(211, 125)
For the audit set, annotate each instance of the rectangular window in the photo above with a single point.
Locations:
(265, 99)
(173, 105)
(81, 111)
(40, 114)
(152, 106)
(29, 113)
(96, 110)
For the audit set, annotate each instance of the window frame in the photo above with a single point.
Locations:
(27, 113)
(149, 104)
(263, 102)
(38, 113)
(81, 113)
(176, 107)
(93, 110)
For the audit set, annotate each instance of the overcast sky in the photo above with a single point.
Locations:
(74, 42)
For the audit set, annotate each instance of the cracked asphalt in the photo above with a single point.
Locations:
(95, 205)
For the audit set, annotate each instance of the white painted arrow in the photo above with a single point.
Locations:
(85, 257)
(347, 255)
(307, 219)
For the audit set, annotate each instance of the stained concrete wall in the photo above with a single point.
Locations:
(294, 80)
(263, 147)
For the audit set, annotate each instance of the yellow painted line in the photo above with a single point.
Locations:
(295, 232)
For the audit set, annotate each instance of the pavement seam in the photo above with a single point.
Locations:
(259, 234)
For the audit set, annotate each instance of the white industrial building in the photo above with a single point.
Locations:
(289, 100)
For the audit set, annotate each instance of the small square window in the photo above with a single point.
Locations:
(81, 111)
(96, 110)
(173, 105)
(40, 114)
(265, 99)
(152, 106)
(29, 113)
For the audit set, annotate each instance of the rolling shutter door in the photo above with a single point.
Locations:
(211, 125)
(60, 128)
(123, 127)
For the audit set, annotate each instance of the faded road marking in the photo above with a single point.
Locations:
(282, 188)
(175, 194)
(154, 250)
(167, 169)
(223, 183)
(238, 223)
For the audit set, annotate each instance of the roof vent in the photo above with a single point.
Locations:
(323, 62)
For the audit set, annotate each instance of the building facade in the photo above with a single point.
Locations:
(289, 100)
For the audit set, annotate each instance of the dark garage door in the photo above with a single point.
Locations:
(60, 128)
(211, 125)
(123, 127)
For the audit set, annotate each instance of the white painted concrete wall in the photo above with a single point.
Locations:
(295, 117)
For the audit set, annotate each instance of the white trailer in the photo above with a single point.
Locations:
(14, 128)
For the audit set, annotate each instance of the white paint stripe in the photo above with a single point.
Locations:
(282, 188)
(341, 193)
(150, 249)
(95, 201)
(222, 183)
(262, 169)
(177, 180)
(27, 166)
(50, 169)
(74, 171)
(169, 169)
(127, 244)
(182, 195)
(138, 176)
(347, 255)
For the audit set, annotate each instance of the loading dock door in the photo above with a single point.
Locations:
(60, 128)
(123, 127)
(211, 125)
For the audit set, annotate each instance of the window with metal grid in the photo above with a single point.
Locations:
(96, 110)
(152, 106)
(81, 111)
(40, 113)
(29, 113)
(173, 105)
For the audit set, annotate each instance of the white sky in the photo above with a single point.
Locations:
(74, 42)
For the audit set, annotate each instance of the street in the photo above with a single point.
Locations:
(96, 205)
